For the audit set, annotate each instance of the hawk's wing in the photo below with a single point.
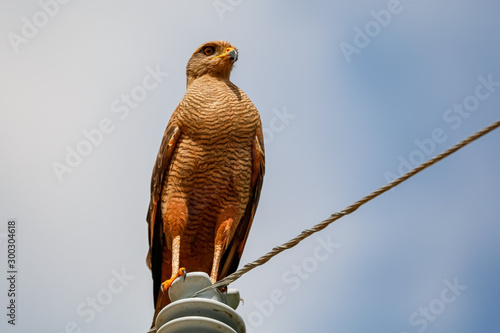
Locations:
(154, 218)
(232, 255)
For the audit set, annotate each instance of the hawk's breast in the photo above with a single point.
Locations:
(211, 167)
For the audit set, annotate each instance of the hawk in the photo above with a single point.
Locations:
(207, 177)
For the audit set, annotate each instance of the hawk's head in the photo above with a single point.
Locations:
(212, 58)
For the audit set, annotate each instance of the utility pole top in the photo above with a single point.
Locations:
(209, 312)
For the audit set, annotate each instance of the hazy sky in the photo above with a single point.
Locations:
(351, 94)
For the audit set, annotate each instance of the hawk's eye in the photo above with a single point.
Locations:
(209, 50)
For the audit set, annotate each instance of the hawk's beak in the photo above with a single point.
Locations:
(231, 53)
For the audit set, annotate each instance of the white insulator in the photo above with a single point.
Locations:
(209, 312)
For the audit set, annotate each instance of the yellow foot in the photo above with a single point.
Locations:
(165, 285)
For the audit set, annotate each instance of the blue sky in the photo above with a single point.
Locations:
(345, 122)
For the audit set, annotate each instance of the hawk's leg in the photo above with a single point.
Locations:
(174, 221)
(216, 262)
(176, 271)
(224, 232)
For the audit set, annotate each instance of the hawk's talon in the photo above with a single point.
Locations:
(165, 285)
(162, 289)
(181, 272)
